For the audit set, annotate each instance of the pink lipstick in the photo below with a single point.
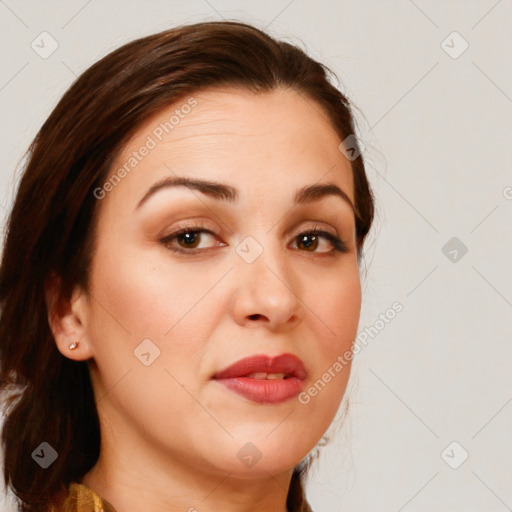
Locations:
(264, 379)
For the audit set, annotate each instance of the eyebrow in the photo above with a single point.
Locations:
(224, 192)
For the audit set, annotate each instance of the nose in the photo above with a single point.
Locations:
(267, 292)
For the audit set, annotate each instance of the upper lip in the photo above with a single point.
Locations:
(288, 364)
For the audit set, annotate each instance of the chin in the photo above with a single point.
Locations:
(261, 469)
(259, 456)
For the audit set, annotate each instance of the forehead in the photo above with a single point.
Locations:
(279, 140)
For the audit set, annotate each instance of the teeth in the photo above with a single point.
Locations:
(265, 376)
(275, 376)
(257, 375)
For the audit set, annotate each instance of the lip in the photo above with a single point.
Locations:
(261, 390)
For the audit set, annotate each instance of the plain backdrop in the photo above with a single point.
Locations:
(431, 396)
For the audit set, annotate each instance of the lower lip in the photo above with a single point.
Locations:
(268, 391)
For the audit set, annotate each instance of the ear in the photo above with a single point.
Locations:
(67, 318)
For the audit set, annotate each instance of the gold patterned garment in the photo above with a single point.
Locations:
(82, 499)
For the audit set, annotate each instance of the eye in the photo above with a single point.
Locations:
(312, 239)
(188, 240)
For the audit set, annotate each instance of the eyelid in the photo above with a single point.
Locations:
(197, 225)
(316, 227)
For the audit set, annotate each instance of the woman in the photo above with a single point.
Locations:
(180, 280)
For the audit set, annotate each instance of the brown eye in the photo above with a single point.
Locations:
(188, 239)
(310, 241)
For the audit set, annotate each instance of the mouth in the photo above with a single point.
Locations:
(264, 379)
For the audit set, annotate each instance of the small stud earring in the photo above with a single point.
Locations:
(74, 345)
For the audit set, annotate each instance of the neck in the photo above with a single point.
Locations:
(138, 478)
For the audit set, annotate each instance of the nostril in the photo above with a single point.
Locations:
(254, 317)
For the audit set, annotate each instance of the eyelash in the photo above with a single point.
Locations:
(338, 244)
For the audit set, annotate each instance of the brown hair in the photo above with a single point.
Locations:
(52, 223)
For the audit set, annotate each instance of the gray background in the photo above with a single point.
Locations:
(436, 124)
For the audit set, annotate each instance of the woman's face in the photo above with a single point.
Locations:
(166, 314)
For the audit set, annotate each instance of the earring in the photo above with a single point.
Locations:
(74, 345)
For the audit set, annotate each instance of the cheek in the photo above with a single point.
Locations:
(139, 299)
(337, 306)
(145, 295)
(336, 303)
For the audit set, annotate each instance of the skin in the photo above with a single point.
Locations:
(170, 434)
